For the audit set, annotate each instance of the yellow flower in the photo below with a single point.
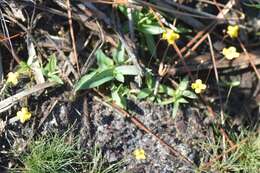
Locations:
(230, 53)
(170, 36)
(139, 154)
(23, 114)
(12, 78)
(233, 31)
(198, 86)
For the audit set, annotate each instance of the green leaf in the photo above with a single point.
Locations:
(150, 81)
(120, 77)
(253, 5)
(183, 30)
(175, 109)
(170, 91)
(122, 9)
(150, 29)
(182, 100)
(51, 66)
(23, 68)
(150, 43)
(235, 83)
(95, 79)
(183, 84)
(166, 102)
(189, 94)
(55, 78)
(103, 61)
(144, 93)
(119, 54)
(152, 98)
(162, 89)
(119, 100)
(127, 70)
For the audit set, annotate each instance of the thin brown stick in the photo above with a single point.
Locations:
(219, 94)
(196, 45)
(72, 36)
(3, 38)
(249, 59)
(182, 60)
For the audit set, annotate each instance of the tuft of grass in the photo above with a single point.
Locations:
(52, 154)
(99, 164)
(244, 158)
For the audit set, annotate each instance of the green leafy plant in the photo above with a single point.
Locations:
(24, 68)
(179, 96)
(147, 25)
(99, 164)
(119, 94)
(149, 91)
(109, 70)
(51, 70)
(144, 21)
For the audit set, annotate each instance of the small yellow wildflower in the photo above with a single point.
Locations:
(170, 36)
(12, 78)
(139, 154)
(198, 86)
(23, 114)
(230, 53)
(232, 31)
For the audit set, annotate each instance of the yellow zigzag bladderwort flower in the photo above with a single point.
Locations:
(198, 86)
(232, 31)
(23, 115)
(230, 53)
(139, 154)
(170, 36)
(12, 78)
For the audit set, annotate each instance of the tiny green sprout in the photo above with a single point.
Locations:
(231, 84)
(153, 89)
(119, 94)
(51, 70)
(179, 96)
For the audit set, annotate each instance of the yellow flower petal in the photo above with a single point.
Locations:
(23, 115)
(139, 154)
(198, 86)
(232, 31)
(170, 36)
(12, 78)
(230, 53)
(197, 90)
